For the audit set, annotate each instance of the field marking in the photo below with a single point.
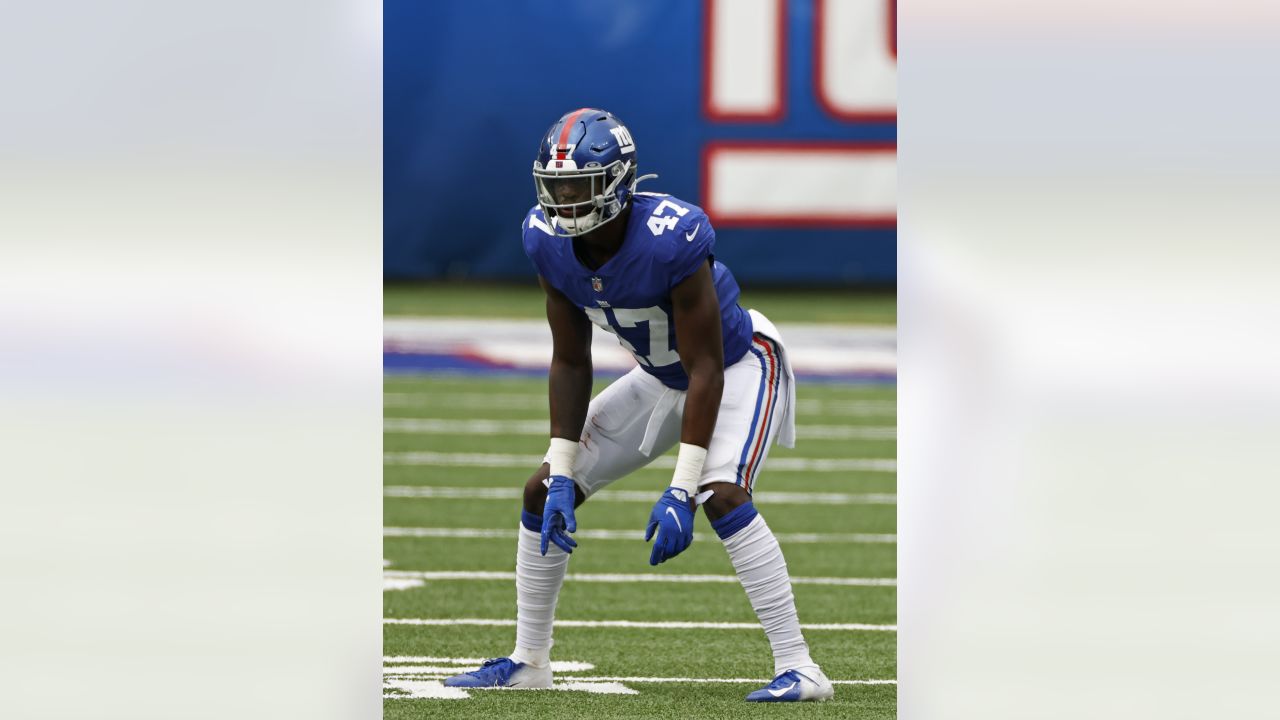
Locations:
(432, 670)
(457, 669)
(435, 690)
(556, 665)
(487, 533)
(422, 681)
(625, 578)
(424, 689)
(736, 681)
(721, 680)
(468, 401)
(504, 460)
(654, 624)
(851, 408)
(448, 426)
(605, 687)
(525, 401)
(399, 583)
(418, 681)
(764, 496)
(846, 432)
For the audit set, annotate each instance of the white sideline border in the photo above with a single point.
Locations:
(588, 534)
(556, 665)
(507, 493)
(638, 624)
(418, 687)
(721, 680)
(525, 401)
(425, 681)
(393, 583)
(505, 460)
(625, 578)
(736, 681)
(453, 669)
(455, 426)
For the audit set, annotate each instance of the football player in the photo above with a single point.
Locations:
(711, 376)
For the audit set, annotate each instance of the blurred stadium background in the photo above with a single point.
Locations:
(778, 117)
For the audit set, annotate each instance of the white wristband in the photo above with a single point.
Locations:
(561, 455)
(689, 468)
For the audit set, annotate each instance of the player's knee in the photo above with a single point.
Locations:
(535, 491)
(725, 497)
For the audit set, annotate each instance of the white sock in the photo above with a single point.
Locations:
(762, 570)
(538, 581)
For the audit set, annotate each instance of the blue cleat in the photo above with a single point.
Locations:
(503, 673)
(795, 686)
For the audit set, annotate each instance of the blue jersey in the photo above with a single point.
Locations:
(665, 241)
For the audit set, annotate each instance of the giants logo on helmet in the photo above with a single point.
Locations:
(625, 143)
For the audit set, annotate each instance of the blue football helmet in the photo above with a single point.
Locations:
(585, 172)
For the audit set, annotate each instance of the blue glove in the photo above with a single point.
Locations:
(557, 514)
(672, 517)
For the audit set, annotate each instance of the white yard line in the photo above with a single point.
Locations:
(599, 688)
(423, 689)
(488, 533)
(401, 583)
(503, 460)
(625, 578)
(761, 681)
(846, 432)
(849, 408)
(764, 496)
(720, 680)
(524, 401)
(435, 690)
(452, 665)
(455, 668)
(654, 625)
(467, 401)
(420, 676)
(447, 426)
(556, 665)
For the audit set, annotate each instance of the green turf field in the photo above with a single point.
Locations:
(446, 516)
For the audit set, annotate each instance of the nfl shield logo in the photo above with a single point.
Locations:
(596, 284)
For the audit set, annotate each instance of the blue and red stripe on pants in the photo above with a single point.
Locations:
(753, 452)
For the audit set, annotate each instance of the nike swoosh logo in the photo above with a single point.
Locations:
(689, 235)
(673, 514)
(783, 691)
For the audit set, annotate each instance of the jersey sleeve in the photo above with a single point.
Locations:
(694, 241)
(534, 236)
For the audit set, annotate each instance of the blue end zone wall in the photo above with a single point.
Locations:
(471, 85)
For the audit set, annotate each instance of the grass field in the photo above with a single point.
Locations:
(445, 513)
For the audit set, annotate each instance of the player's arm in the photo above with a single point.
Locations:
(569, 390)
(569, 381)
(698, 340)
(696, 308)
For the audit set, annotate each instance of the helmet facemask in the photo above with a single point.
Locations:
(577, 201)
